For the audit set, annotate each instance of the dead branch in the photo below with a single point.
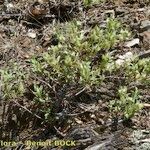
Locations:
(28, 110)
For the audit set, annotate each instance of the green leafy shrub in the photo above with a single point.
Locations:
(12, 81)
(127, 104)
(70, 60)
(139, 70)
(70, 63)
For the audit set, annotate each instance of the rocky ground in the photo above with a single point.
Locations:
(26, 29)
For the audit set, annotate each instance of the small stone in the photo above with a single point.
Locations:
(120, 11)
(10, 7)
(31, 35)
(78, 121)
(119, 62)
(128, 56)
(145, 25)
(124, 58)
(133, 42)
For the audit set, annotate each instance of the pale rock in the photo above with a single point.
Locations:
(133, 42)
(128, 56)
(145, 25)
(31, 35)
(124, 58)
(119, 62)
(9, 6)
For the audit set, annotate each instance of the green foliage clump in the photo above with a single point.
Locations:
(82, 58)
(127, 103)
(70, 60)
(12, 81)
(138, 70)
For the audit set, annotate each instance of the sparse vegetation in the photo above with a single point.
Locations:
(71, 59)
(12, 81)
(82, 78)
(91, 2)
(70, 62)
(127, 104)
